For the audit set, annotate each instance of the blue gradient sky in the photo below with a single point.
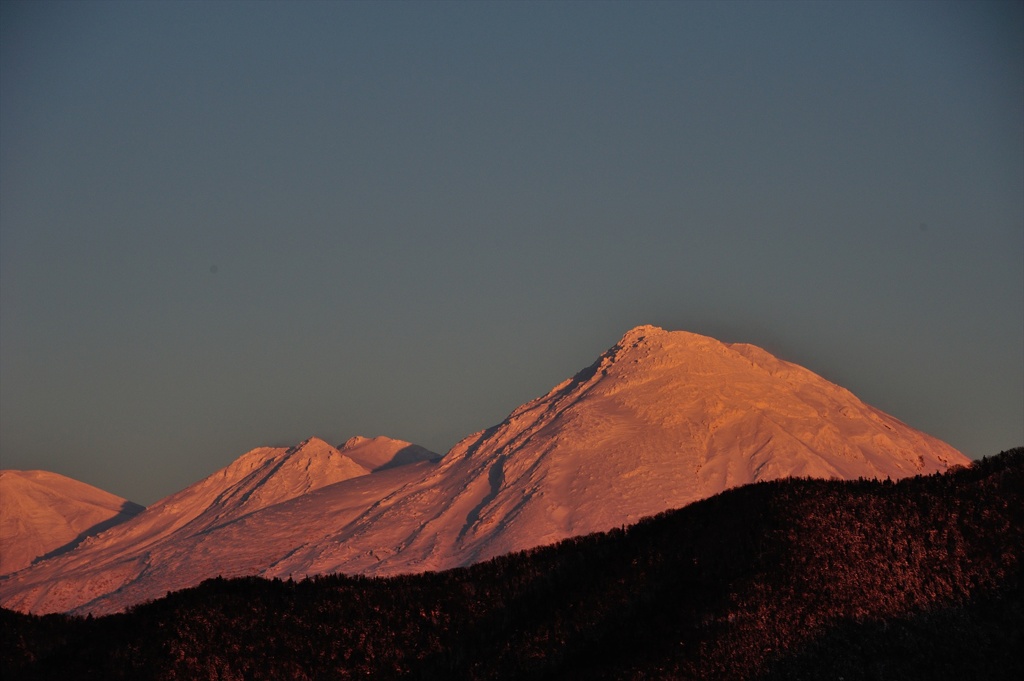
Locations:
(228, 225)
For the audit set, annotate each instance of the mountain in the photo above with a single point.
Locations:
(790, 579)
(45, 514)
(193, 533)
(660, 420)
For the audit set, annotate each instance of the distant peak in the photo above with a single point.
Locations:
(375, 453)
(379, 440)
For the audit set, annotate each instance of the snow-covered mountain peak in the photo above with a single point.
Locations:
(288, 473)
(646, 346)
(310, 464)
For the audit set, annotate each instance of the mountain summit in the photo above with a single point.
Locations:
(660, 420)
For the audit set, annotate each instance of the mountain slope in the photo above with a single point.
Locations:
(43, 513)
(660, 420)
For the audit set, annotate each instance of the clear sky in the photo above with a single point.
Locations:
(226, 225)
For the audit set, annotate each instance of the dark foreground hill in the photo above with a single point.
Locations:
(793, 579)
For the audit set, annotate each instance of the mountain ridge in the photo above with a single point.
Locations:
(165, 535)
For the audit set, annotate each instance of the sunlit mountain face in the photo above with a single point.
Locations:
(660, 420)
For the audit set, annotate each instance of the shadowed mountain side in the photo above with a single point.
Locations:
(128, 511)
(45, 514)
(380, 453)
(411, 454)
(797, 578)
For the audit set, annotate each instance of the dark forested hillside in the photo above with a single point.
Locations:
(790, 579)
